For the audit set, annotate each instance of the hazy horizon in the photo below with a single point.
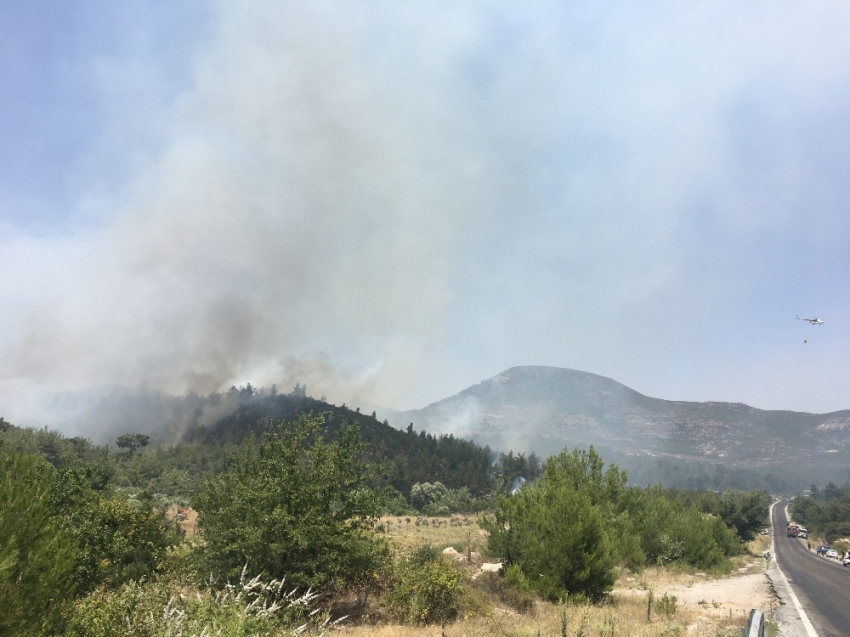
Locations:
(390, 203)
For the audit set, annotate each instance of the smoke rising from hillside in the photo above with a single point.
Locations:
(288, 204)
(388, 202)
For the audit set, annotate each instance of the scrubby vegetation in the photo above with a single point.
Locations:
(162, 608)
(295, 507)
(177, 469)
(567, 531)
(427, 587)
(743, 511)
(289, 534)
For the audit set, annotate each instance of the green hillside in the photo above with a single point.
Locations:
(174, 464)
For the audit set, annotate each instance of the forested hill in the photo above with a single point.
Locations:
(199, 432)
(173, 463)
(407, 456)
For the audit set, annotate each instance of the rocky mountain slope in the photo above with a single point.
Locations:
(546, 408)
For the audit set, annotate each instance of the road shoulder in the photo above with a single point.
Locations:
(787, 616)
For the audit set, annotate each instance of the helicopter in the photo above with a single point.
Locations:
(814, 320)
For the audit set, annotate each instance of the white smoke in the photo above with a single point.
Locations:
(387, 202)
(289, 206)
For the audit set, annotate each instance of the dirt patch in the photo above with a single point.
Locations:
(735, 595)
(706, 600)
(186, 517)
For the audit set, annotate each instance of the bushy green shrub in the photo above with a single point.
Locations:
(828, 516)
(666, 605)
(425, 493)
(455, 501)
(118, 538)
(426, 587)
(511, 588)
(568, 530)
(558, 530)
(668, 532)
(425, 554)
(395, 504)
(436, 499)
(295, 506)
(744, 511)
(36, 555)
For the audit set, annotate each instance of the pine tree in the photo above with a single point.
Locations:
(36, 557)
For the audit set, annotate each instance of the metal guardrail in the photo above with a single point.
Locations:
(755, 625)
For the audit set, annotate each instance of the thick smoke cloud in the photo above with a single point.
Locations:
(387, 202)
(287, 205)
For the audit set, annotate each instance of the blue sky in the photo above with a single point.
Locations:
(390, 202)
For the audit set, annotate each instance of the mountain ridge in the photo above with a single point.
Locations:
(524, 409)
(543, 409)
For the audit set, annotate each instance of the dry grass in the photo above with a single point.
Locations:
(403, 532)
(759, 545)
(624, 614)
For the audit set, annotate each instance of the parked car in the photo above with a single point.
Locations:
(803, 533)
(822, 550)
(846, 560)
(832, 553)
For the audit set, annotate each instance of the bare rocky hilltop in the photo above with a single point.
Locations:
(546, 408)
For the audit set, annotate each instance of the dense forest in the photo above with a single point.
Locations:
(175, 470)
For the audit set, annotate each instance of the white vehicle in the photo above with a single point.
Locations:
(832, 553)
(814, 320)
(846, 560)
(803, 534)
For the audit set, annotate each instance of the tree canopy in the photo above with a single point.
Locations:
(568, 530)
(296, 506)
(131, 442)
(36, 556)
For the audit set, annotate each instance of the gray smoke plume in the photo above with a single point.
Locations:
(291, 203)
(387, 202)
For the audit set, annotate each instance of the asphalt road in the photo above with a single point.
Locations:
(822, 584)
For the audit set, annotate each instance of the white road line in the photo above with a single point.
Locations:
(810, 630)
